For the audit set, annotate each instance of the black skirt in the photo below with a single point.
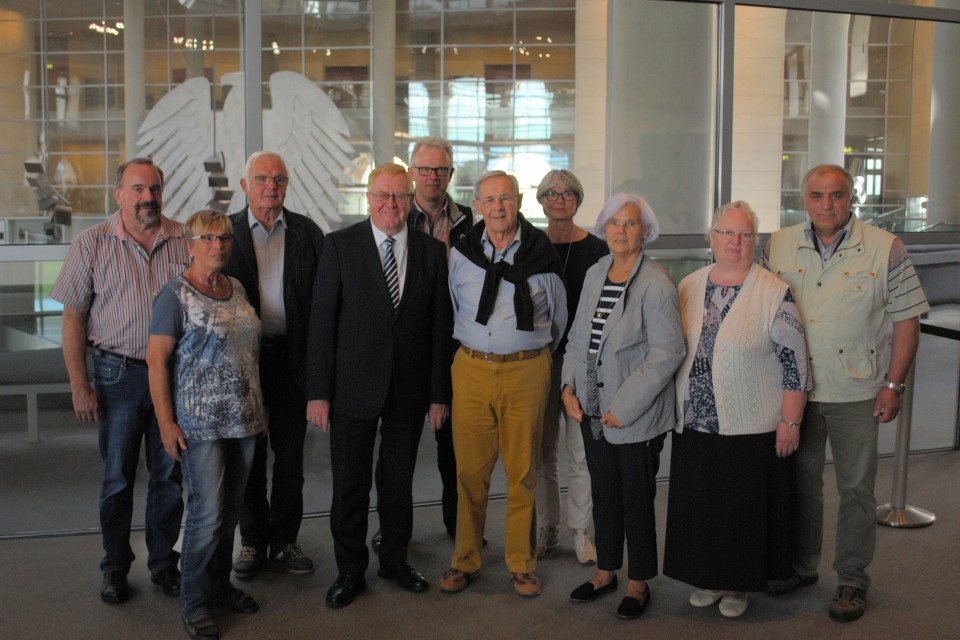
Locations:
(730, 516)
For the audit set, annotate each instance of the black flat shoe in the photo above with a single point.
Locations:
(405, 576)
(169, 579)
(631, 608)
(114, 588)
(238, 601)
(344, 590)
(587, 593)
(201, 626)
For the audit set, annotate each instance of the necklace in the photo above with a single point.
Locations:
(567, 259)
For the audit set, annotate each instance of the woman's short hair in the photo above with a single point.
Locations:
(615, 203)
(563, 177)
(736, 205)
(206, 220)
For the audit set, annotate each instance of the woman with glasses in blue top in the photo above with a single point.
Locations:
(205, 384)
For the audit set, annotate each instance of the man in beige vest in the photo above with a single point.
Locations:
(850, 280)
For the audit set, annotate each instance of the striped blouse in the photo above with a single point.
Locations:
(608, 299)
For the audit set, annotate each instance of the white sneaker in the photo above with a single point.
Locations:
(583, 545)
(733, 604)
(547, 538)
(704, 597)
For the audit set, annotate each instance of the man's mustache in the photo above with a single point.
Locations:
(152, 206)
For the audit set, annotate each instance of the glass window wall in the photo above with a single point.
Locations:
(499, 79)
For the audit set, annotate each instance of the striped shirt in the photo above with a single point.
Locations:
(108, 277)
(609, 295)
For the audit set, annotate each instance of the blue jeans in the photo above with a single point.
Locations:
(126, 420)
(215, 472)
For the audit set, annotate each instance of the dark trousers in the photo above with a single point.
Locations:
(624, 485)
(275, 522)
(447, 465)
(352, 443)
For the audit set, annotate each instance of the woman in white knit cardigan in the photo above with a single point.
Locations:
(741, 391)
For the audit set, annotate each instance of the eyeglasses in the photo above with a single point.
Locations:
(490, 201)
(730, 234)
(626, 225)
(210, 238)
(553, 195)
(385, 197)
(280, 181)
(442, 172)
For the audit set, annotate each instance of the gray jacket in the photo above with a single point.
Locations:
(641, 347)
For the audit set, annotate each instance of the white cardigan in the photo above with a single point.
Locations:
(747, 376)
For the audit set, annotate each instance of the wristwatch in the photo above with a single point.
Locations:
(899, 388)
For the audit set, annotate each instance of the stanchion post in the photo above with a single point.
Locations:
(897, 513)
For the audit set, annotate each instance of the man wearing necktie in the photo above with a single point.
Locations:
(378, 354)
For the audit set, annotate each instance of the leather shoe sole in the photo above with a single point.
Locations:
(406, 576)
(588, 593)
(343, 591)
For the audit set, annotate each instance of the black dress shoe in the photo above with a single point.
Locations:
(344, 590)
(405, 576)
(169, 579)
(114, 588)
(376, 541)
(238, 601)
(587, 593)
(631, 608)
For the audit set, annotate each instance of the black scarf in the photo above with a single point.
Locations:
(535, 255)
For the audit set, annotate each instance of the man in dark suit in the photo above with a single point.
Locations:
(275, 257)
(379, 353)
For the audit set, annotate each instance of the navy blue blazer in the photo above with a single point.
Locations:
(360, 347)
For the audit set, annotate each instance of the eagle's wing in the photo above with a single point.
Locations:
(307, 129)
(178, 135)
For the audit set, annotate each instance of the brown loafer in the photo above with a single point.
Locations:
(527, 585)
(455, 580)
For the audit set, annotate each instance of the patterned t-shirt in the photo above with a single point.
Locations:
(216, 379)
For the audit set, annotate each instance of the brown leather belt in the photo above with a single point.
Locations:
(502, 357)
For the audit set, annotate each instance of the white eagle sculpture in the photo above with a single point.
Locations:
(303, 126)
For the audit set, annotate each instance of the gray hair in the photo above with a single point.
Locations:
(433, 142)
(736, 205)
(496, 173)
(828, 168)
(563, 177)
(256, 155)
(610, 208)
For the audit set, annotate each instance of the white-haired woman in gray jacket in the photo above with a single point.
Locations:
(624, 346)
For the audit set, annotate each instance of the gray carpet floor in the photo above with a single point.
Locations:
(51, 588)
